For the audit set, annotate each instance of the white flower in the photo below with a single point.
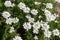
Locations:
(12, 20)
(30, 19)
(56, 21)
(45, 26)
(57, 1)
(47, 12)
(28, 16)
(26, 9)
(36, 31)
(7, 3)
(44, 3)
(35, 37)
(17, 38)
(15, 20)
(11, 30)
(37, 3)
(49, 16)
(47, 34)
(12, 5)
(34, 11)
(9, 21)
(53, 17)
(49, 5)
(56, 32)
(6, 14)
(21, 5)
(40, 16)
(36, 25)
(55, 14)
(27, 26)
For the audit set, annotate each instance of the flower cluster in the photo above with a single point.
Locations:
(9, 20)
(9, 4)
(35, 20)
(17, 38)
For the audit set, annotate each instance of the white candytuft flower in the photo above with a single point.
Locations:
(36, 27)
(12, 20)
(56, 32)
(12, 5)
(56, 21)
(36, 31)
(8, 3)
(15, 20)
(37, 3)
(6, 14)
(26, 10)
(40, 16)
(35, 37)
(49, 5)
(9, 21)
(58, 1)
(28, 16)
(34, 11)
(21, 5)
(49, 16)
(11, 30)
(17, 38)
(47, 12)
(47, 34)
(30, 19)
(27, 26)
(45, 26)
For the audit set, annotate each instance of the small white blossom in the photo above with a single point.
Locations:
(12, 20)
(34, 11)
(36, 25)
(40, 16)
(12, 5)
(35, 37)
(6, 14)
(47, 12)
(37, 3)
(36, 31)
(56, 21)
(17, 38)
(56, 15)
(49, 16)
(21, 5)
(27, 26)
(11, 30)
(26, 9)
(47, 34)
(30, 19)
(56, 32)
(28, 16)
(45, 26)
(15, 20)
(7, 3)
(49, 5)
(9, 21)
(44, 3)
